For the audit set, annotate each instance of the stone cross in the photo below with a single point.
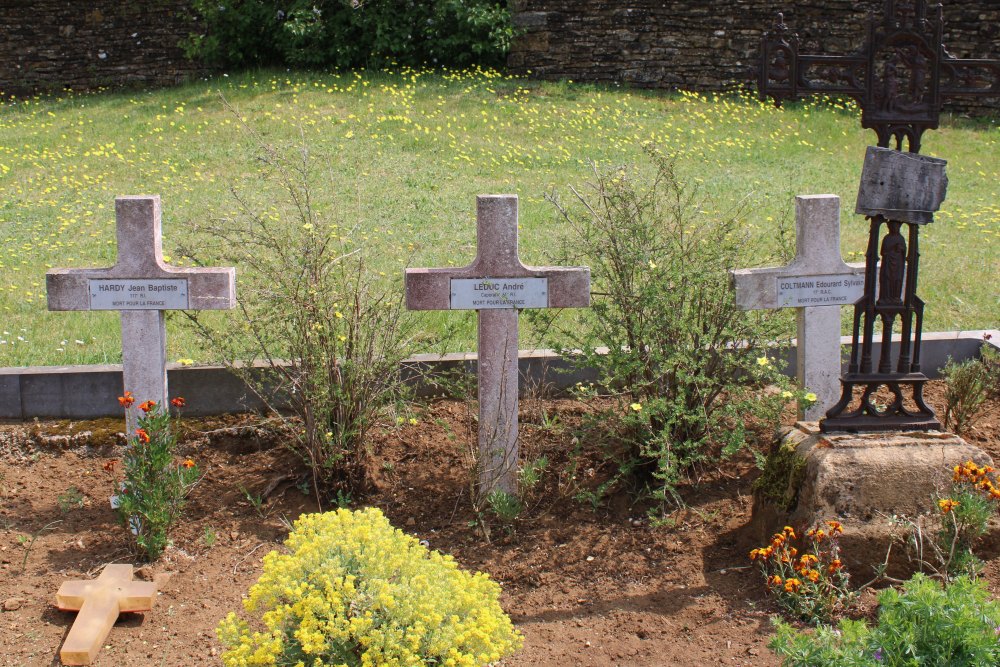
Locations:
(141, 286)
(99, 602)
(497, 285)
(816, 284)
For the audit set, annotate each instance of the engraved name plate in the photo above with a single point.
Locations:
(837, 290)
(139, 294)
(483, 293)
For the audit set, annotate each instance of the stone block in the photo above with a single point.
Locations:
(861, 480)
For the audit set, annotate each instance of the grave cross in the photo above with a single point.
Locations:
(99, 602)
(816, 284)
(497, 285)
(141, 285)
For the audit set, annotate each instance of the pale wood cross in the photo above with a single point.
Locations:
(816, 283)
(497, 285)
(141, 285)
(99, 602)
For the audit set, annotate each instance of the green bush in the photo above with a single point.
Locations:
(687, 366)
(351, 33)
(924, 624)
(352, 590)
(330, 329)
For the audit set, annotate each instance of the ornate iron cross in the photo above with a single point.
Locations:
(900, 78)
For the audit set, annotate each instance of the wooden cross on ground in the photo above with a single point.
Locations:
(141, 286)
(497, 285)
(99, 602)
(816, 284)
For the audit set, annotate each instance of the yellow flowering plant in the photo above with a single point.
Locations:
(812, 584)
(352, 591)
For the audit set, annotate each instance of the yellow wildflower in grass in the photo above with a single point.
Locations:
(636, 407)
(353, 590)
(811, 397)
(763, 361)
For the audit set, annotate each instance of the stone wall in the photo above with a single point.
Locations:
(57, 44)
(701, 45)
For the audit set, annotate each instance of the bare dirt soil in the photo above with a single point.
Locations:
(586, 585)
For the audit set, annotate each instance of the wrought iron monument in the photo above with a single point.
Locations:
(900, 78)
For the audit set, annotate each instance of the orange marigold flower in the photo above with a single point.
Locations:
(792, 585)
(835, 527)
(816, 534)
(142, 435)
(126, 401)
(834, 565)
(947, 505)
(808, 559)
(775, 580)
(177, 402)
(146, 406)
(188, 463)
(812, 575)
(789, 531)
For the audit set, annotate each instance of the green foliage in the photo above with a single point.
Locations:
(351, 33)
(781, 474)
(331, 329)
(966, 391)
(530, 474)
(686, 363)
(151, 497)
(969, 384)
(505, 506)
(924, 624)
(352, 590)
(70, 499)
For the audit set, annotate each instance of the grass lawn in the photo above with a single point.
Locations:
(407, 152)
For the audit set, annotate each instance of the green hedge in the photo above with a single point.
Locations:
(350, 33)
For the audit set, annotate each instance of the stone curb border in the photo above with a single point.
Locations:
(90, 392)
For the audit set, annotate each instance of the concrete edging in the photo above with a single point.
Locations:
(90, 392)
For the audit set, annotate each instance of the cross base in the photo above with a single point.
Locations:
(868, 417)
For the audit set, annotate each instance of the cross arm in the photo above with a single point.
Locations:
(208, 288)
(970, 77)
(430, 289)
(757, 289)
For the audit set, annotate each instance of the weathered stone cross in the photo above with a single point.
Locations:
(497, 285)
(141, 286)
(99, 602)
(816, 284)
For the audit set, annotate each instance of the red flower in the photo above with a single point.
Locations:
(177, 402)
(188, 463)
(146, 406)
(126, 400)
(143, 436)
